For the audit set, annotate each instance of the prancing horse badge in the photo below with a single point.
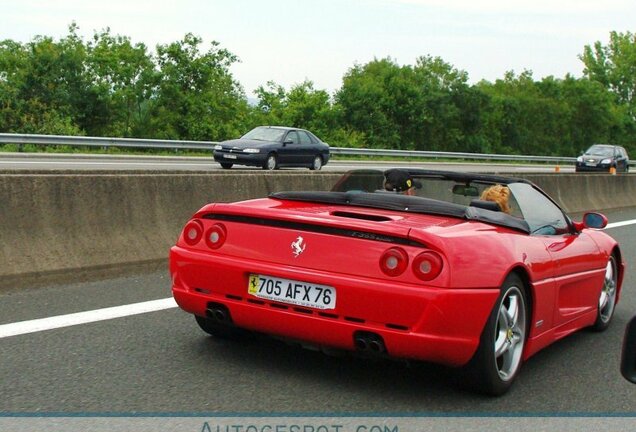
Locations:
(298, 246)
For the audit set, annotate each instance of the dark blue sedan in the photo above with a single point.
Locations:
(272, 147)
(603, 157)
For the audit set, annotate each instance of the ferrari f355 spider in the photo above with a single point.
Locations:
(439, 275)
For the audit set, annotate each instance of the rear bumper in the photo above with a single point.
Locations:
(416, 322)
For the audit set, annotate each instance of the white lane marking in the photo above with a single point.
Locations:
(37, 325)
(620, 224)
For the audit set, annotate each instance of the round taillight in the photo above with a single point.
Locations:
(193, 232)
(215, 236)
(427, 265)
(394, 261)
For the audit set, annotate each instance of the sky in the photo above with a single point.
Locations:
(290, 41)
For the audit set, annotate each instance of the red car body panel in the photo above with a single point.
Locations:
(440, 320)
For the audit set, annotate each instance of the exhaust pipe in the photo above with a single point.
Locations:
(361, 343)
(369, 343)
(218, 313)
(376, 346)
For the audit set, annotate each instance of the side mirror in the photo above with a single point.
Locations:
(287, 142)
(628, 359)
(594, 220)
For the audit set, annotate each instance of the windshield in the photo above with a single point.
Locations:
(600, 151)
(262, 133)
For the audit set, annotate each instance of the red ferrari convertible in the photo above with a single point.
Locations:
(432, 271)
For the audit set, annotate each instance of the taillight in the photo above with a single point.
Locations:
(394, 261)
(427, 265)
(215, 236)
(193, 232)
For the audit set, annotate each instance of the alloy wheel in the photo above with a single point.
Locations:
(510, 333)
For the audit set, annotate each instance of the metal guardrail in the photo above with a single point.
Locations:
(449, 155)
(46, 140)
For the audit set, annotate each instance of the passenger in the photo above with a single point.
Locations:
(499, 194)
(399, 180)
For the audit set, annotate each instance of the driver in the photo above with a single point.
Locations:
(400, 180)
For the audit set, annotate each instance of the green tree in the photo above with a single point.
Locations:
(378, 99)
(123, 77)
(302, 106)
(547, 117)
(271, 105)
(450, 111)
(13, 62)
(310, 109)
(197, 97)
(526, 116)
(614, 66)
(593, 115)
(411, 107)
(43, 83)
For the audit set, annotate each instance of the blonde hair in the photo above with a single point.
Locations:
(498, 194)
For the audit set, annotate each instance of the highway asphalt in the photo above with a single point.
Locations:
(38, 161)
(161, 362)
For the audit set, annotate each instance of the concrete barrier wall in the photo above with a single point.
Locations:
(576, 193)
(54, 225)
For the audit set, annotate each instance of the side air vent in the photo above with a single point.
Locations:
(363, 216)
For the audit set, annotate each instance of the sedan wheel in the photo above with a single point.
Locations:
(226, 165)
(317, 164)
(499, 356)
(271, 163)
(607, 297)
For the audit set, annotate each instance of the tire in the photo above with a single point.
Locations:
(317, 164)
(607, 297)
(220, 331)
(271, 163)
(498, 359)
(226, 165)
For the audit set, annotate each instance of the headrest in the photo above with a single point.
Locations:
(488, 205)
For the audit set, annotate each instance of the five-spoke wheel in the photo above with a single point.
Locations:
(499, 356)
(607, 297)
(510, 333)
